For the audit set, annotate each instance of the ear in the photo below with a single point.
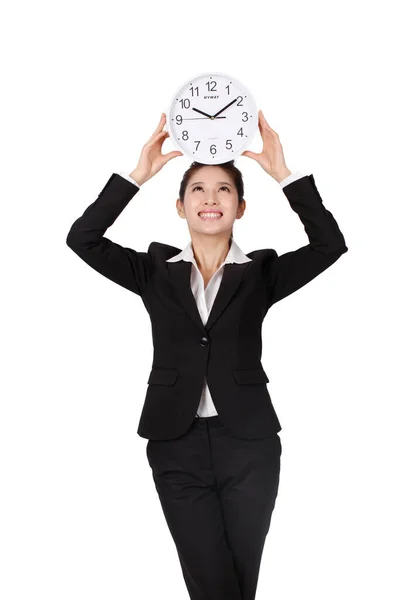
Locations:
(241, 209)
(180, 208)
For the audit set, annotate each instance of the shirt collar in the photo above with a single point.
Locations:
(235, 255)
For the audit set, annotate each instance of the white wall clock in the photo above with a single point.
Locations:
(212, 118)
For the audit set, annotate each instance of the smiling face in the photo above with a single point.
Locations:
(211, 202)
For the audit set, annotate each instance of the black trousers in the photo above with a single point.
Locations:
(217, 493)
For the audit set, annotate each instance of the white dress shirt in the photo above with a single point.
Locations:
(205, 297)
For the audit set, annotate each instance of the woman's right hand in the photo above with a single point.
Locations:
(151, 160)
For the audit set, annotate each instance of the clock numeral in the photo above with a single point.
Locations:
(192, 90)
(178, 119)
(185, 102)
(185, 135)
(213, 149)
(230, 144)
(213, 84)
(247, 116)
(240, 98)
(240, 132)
(197, 142)
(227, 87)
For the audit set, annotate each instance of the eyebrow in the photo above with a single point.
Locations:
(227, 182)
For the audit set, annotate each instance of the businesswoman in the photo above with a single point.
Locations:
(213, 442)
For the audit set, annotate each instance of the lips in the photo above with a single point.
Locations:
(210, 215)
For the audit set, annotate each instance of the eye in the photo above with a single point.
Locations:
(222, 187)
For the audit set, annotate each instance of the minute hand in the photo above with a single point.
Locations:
(225, 107)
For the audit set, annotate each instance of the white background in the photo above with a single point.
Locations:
(84, 85)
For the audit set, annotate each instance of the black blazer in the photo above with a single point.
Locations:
(227, 350)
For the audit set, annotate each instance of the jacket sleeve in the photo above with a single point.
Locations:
(127, 267)
(289, 272)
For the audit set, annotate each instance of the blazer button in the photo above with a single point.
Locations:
(204, 341)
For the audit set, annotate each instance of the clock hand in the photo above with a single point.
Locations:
(225, 107)
(203, 113)
(200, 118)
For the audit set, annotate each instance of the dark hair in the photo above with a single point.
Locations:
(229, 167)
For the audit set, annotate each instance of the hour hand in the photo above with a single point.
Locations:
(203, 113)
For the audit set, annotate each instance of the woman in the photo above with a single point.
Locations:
(214, 447)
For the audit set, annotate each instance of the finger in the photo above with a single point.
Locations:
(250, 154)
(263, 119)
(169, 156)
(172, 154)
(266, 124)
(156, 137)
(267, 132)
(160, 125)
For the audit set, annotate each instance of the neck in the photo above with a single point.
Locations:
(210, 251)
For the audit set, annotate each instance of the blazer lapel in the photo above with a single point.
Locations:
(179, 274)
(231, 278)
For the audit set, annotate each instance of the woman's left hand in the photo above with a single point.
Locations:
(271, 158)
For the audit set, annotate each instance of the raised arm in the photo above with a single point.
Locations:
(287, 273)
(127, 267)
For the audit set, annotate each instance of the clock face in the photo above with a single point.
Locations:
(212, 118)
